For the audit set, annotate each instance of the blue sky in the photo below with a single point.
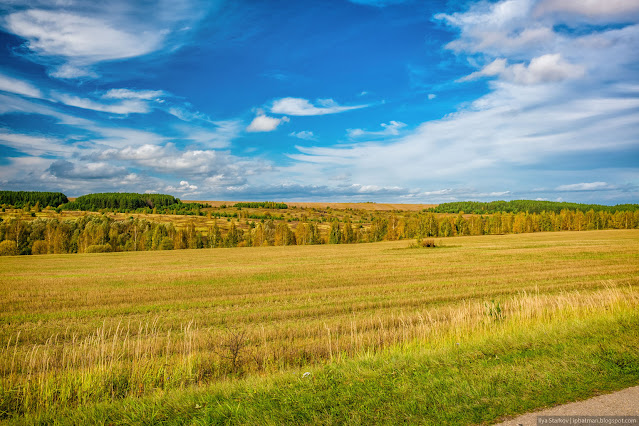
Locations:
(361, 100)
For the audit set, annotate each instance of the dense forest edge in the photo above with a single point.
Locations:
(526, 206)
(139, 222)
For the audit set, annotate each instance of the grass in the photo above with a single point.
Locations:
(158, 333)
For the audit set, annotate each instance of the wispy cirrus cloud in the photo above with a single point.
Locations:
(19, 87)
(585, 186)
(35, 145)
(391, 129)
(303, 107)
(71, 40)
(123, 107)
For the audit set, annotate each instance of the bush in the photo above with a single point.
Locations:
(427, 242)
(99, 248)
(39, 247)
(8, 248)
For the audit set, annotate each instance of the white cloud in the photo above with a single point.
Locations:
(390, 129)
(184, 113)
(67, 71)
(264, 123)
(184, 188)
(585, 186)
(302, 107)
(102, 170)
(542, 69)
(456, 194)
(219, 135)
(306, 135)
(431, 96)
(615, 9)
(122, 137)
(127, 106)
(19, 87)
(71, 37)
(133, 94)
(503, 26)
(35, 145)
(82, 39)
(511, 127)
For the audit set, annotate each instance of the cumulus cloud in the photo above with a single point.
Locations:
(184, 188)
(504, 26)
(542, 69)
(390, 129)
(264, 123)
(303, 107)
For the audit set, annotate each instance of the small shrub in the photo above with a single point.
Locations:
(8, 248)
(99, 248)
(426, 242)
(233, 349)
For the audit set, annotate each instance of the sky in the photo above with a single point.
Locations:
(401, 101)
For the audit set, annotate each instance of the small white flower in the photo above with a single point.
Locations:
(308, 373)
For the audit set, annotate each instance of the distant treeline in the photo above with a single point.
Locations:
(100, 233)
(124, 202)
(530, 206)
(20, 199)
(121, 200)
(112, 201)
(261, 205)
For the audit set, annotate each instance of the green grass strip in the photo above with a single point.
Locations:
(486, 377)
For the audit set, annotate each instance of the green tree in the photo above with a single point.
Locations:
(335, 233)
(8, 248)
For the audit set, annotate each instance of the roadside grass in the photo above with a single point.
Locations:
(155, 328)
(479, 379)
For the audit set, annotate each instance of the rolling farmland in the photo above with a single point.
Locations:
(88, 328)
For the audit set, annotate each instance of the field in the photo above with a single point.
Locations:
(225, 334)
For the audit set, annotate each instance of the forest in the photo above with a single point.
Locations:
(127, 202)
(19, 199)
(530, 206)
(140, 222)
(262, 204)
(90, 232)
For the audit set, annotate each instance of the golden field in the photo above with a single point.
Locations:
(88, 327)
